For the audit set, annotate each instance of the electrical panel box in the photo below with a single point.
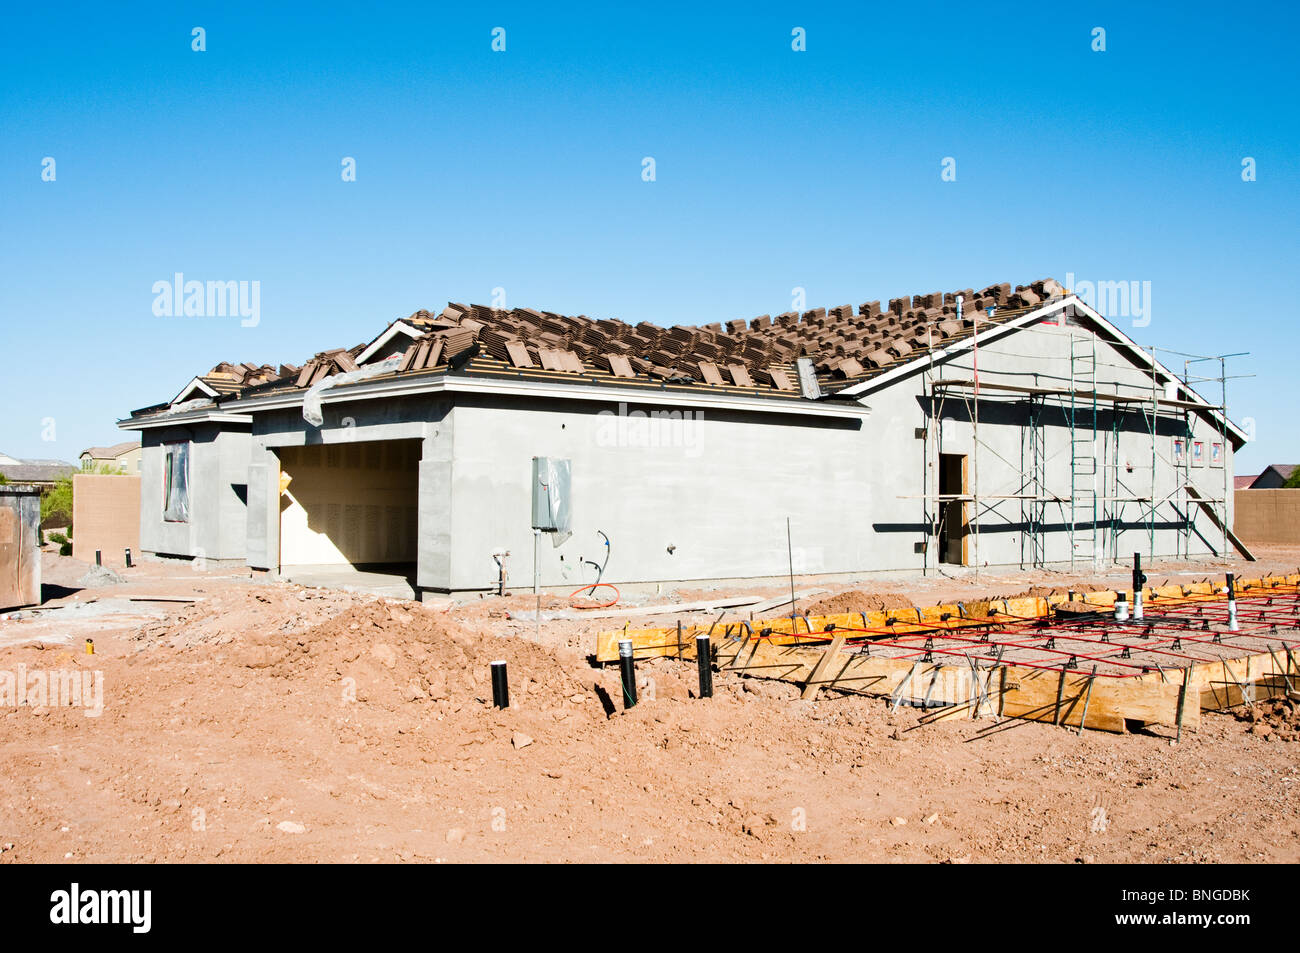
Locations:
(552, 489)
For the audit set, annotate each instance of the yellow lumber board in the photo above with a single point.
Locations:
(1031, 694)
(662, 640)
(646, 643)
(1218, 685)
(813, 686)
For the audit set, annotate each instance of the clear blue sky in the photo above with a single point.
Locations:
(522, 170)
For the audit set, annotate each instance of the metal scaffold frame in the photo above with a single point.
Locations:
(1094, 510)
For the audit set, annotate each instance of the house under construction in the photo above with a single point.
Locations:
(999, 427)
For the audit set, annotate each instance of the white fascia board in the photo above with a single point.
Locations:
(191, 387)
(994, 331)
(397, 327)
(175, 420)
(402, 387)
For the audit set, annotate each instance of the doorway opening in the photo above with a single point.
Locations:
(952, 512)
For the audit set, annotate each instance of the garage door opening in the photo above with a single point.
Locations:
(349, 508)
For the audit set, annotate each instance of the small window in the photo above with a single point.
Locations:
(1216, 454)
(1198, 453)
(1180, 449)
(176, 482)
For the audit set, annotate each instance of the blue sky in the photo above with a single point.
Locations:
(521, 170)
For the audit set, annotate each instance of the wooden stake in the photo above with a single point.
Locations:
(1087, 698)
(813, 684)
(1286, 678)
(1182, 702)
(898, 692)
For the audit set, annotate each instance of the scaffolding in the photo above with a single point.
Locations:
(1102, 485)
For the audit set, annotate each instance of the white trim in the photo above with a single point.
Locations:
(388, 334)
(178, 420)
(191, 387)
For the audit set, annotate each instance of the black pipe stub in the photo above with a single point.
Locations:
(98, 558)
(500, 685)
(627, 672)
(128, 558)
(703, 657)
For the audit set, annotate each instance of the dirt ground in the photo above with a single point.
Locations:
(267, 722)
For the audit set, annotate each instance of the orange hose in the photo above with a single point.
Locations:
(593, 605)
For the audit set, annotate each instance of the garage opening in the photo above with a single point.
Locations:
(952, 512)
(350, 508)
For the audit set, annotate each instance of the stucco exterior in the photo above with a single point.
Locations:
(218, 477)
(701, 487)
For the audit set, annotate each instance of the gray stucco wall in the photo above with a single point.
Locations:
(219, 457)
(699, 497)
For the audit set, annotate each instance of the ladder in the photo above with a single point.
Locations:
(1083, 450)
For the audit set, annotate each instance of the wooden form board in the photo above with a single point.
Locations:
(1007, 690)
(662, 641)
(1012, 691)
(654, 642)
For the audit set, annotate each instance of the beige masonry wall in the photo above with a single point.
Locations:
(1267, 516)
(105, 517)
(349, 503)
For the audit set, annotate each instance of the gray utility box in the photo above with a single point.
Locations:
(552, 486)
(20, 551)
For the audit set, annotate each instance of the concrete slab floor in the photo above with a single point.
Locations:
(397, 582)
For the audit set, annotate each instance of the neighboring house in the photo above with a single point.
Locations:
(123, 457)
(943, 429)
(43, 473)
(1244, 482)
(1273, 476)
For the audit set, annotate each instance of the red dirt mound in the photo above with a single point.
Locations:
(1276, 720)
(858, 600)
